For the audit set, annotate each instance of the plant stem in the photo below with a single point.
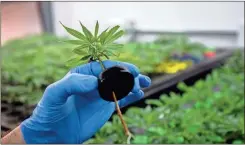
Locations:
(101, 64)
(127, 132)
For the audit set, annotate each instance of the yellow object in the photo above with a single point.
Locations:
(172, 67)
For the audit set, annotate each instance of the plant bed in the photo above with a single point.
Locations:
(210, 111)
(29, 66)
(167, 83)
(172, 88)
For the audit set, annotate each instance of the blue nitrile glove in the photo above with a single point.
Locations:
(71, 110)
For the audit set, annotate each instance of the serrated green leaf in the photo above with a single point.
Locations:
(154, 102)
(74, 33)
(106, 56)
(102, 39)
(80, 50)
(103, 35)
(75, 60)
(91, 50)
(111, 32)
(86, 31)
(86, 45)
(110, 53)
(114, 46)
(115, 36)
(75, 42)
(107, 53)
(96, 29)
(85, 57)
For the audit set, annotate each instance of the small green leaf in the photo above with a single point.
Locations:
(85, 57)
(157, 130)
(102, 39)
(86, 31)
(91, 50)
(102, 35)
(73, 32)
(79, 50)
(96, 29)
(180, 139)
(140, 139)
(111, 32)
(74, 61)
(154, 102)
(86, 45)
(75, 42)
(115, 36)
(114, 46)
(110, 53)
(106, 56)
(237, 142)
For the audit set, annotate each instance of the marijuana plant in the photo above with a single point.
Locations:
(94, 46)
(115, 82)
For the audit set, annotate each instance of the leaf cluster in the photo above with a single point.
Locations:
(92, 45)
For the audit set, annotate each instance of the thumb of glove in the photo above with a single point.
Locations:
(72, 84)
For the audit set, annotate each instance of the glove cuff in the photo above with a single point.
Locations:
(37, 134)
(31, 136)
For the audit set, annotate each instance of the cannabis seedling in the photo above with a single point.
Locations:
(114, 83)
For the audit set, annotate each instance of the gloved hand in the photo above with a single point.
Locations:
(71, 110)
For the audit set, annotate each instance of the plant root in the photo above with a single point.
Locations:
(127, 132)
(129, 138)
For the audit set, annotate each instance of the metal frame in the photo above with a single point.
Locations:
(137, 32)
(46, 15)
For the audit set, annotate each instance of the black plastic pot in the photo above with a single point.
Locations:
(115, 79)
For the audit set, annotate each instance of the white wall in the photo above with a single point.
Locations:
(161, 16)
(62, 11)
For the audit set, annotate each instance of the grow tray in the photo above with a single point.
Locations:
(166, 83)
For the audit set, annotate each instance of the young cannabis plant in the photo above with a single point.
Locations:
(94, 46)
(114, 83)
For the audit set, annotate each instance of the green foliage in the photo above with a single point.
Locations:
(144, 55)
(181, 44)
(211, 111)
(149, 55)
(30, 64)
(92, 46)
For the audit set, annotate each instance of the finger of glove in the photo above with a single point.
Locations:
(144, 81)
(141, 81)
(95, 68)
(131, 98)
(136, 87)
(73, 84)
